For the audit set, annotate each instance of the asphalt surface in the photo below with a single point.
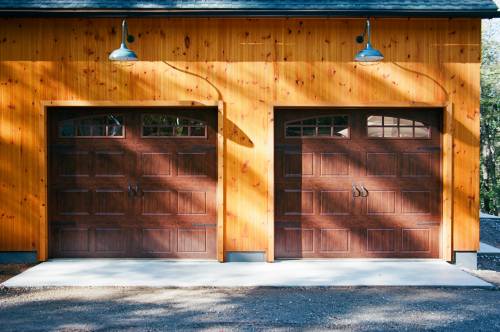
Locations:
(8, 271)
(490, 231)
(250, 309)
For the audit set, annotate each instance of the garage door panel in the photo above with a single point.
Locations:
(334, 240)
(111, 163)
(193, 164)
(297, 202)
(73, 240)
(158, 202)
(157, 240)
(192, 202)
(191, 240)
(310, 241)
(381, 164)
(416, 240)
(298, 164)
(381, 202)
(110, 240)
(294, 242)
(334, 164)
(416, 164)
(416, 202)
(355, 220)
(156, 164)
(165, 202)
(380, 240)
(73, 164)
(110, 202)
(335, 202)
(72, 202)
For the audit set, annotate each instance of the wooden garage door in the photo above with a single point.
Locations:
(357, 183)
(132, 183)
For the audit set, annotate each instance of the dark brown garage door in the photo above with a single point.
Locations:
(353, 183)
(132, 183)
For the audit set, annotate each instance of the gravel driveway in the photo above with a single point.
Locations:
(280, 309)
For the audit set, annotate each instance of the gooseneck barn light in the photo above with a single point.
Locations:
(124, 53)
(368, 54)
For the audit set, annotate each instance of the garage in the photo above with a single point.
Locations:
(358, 183)
(127, 182)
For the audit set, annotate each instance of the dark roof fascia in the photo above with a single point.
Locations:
(247, 13)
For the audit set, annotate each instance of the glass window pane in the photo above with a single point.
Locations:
(149, 131)
(85, 121)
(99, 131)
(422, 132)
(324, 131)
(66, 130)
(390, 131)
(341, 131)
(390, 121)
(100, 120)
(195, 123)
(375, 132)
(197, 131)
(97, 126)
(149, 119)
(115, 130)
(182, 122)
(419, 124)
(165, 131)
(406, 132)
(325, 121)
(308, 131)
(293, 131)
(83, 131)
(405, 122)
(115, 120)
(163, 120)
(341, 120)
(374, 120)
(181, 131)
(309, 122)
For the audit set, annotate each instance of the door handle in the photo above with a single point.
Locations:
(364, 191)
(137, 191)
(130, 190)
(355, 191)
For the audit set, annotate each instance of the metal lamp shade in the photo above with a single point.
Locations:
(369, 54)
(123, 54)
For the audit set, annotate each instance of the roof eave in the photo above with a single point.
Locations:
(245, 13)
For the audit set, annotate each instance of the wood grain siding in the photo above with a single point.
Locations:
(250, 66)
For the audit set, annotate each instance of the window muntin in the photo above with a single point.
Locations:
(378, 126)
(332, 126)
(110, 125)
(162, 125)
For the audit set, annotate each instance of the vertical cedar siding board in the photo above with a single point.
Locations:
(253, 65)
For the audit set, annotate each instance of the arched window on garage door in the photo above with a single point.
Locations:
(332, 126)
(109, 125)
(162, 125)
